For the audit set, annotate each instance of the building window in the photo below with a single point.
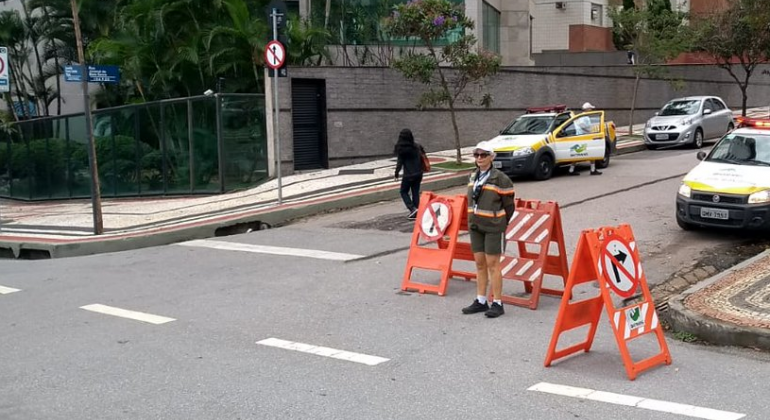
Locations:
(596, 14)
(491, 28)
(292, 7)
(357, 22)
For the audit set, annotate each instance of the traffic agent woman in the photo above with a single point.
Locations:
(490, 206)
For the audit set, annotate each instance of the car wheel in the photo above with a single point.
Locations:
(697, 142)
(607, 152)
(544, 167)
(652, 146)
(684, 225)
(730, 127)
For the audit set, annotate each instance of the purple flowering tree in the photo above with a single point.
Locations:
(449, 61)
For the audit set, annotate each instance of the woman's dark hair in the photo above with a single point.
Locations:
(405, 141)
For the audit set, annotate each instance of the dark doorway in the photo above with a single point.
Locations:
(308, 116)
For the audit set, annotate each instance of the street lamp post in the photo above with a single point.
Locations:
(96, 196)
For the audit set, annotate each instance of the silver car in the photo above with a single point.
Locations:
(688, 121)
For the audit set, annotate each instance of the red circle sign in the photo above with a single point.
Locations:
(2, 65)
(435, 219)
(275, 55)
(619, 266)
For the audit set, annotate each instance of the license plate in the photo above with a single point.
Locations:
(709, 213)
(661, 137)
(496, 164)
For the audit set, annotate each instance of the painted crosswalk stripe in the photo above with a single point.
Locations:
(273, 250)
(125, 313)
(323, 351)
(5, 290)
(638, 402)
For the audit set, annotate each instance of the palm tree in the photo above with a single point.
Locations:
(238, 44)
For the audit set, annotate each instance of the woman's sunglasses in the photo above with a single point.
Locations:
(480, 155)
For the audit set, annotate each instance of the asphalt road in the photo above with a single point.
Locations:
(396, 355)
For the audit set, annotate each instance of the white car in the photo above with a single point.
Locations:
(731, 186)
(688, 121)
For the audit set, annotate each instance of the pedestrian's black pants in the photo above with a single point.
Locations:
(411, 184)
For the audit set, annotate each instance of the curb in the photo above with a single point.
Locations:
(713, 330)
(34, 248)
(630, 147)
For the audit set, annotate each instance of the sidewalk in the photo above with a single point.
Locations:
(65, 228)
(731, 308)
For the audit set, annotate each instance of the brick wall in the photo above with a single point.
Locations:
(706, 7)
(551, 30)
(590, 38)
(367, 107)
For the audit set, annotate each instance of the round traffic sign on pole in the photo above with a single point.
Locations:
(275, 55)
(435, 219)
(619, 266)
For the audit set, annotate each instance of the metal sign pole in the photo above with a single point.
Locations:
(277, 111)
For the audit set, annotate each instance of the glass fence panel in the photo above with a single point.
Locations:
(177, 146)
(157, 148)
(244, 138)
(205, 163)
(152, 159)
(78, 169)
(116, 152)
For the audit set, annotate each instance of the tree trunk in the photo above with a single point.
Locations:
(20, 90)
(327, 11)
(40, 90)
(633, 106)
(744, 99)
(52, 45)
(9, 100)
(459, 157)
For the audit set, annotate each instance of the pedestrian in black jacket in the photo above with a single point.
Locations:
(410, 159)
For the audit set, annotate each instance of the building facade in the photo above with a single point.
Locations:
(502, 26)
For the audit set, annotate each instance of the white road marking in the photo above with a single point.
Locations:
(638, 402)
(5, 290)
(125, 313)
(323, 351)
(274, 250)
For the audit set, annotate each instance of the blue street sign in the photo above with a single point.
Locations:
(96, 74)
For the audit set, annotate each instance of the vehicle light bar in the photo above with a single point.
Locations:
(753, 122)
(547, 108)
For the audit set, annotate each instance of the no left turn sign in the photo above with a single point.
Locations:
(619, 265)
(275, 55)
(435, 220)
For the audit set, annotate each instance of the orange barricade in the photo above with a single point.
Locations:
(439, 219)
(538, 224)
(610, 256)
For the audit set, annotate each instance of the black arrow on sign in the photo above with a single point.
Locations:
(621, 258)
(435, 219)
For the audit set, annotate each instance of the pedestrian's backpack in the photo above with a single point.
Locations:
(425, 160)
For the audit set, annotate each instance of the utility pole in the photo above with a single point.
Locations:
(96, 195)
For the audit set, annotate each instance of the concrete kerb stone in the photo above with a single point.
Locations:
(205, 230)
(713, 330)
(629, 146)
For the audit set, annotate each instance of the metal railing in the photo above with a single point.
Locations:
(195, 145)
